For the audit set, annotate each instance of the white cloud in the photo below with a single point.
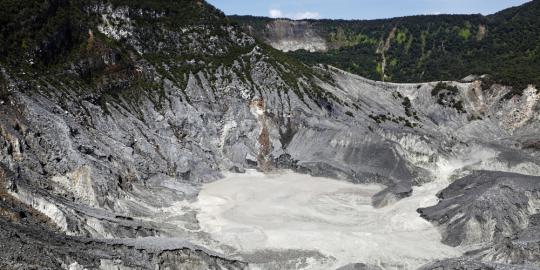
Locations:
(307, 15)
(276, 13)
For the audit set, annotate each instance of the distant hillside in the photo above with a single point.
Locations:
(505, 45)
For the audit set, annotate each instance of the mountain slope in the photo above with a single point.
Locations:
(417, 48)
(114, 113)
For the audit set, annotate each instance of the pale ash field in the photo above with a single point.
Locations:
(291, 211)
(254, 211)
(286, 210)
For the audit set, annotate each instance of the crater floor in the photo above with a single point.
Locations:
(254, 212)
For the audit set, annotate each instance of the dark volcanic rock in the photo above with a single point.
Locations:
(485, 207)
(463, 264)
(523, 248)
(29, 240)
(359, 266)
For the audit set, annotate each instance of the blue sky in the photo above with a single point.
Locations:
(359, 9)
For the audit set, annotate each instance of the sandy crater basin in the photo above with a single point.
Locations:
(256, 211)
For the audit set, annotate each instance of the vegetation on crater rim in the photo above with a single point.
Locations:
(52, 37)
(505, 45)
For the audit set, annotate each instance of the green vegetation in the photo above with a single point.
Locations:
(465, 33)
(441, 86)
(43, 33)
(37, 31)
(175, 13)
(291, 70)
(3, 89)
(41, 39)
(341, 39)
(401, 37)
(381, 118)
(447, 95)
(409, 111)
(505, 45)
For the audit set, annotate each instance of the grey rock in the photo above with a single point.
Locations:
(463, 264)
(30, 240)
(359, 266)
(485, 207)
(122, 159)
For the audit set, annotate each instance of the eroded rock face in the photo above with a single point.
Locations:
(98, 173)
(452, 264)
(24, 247)
(485, 207)
(29, 239)
(288, 35)
(495, 211)
(359, 266)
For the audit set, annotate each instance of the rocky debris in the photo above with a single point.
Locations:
(359, 266)
(30, 240)
(287, 35)
(485, 207)
(523, 248)
(30, 246)
(85, 163)
(532, 144)
(495, 213)
(464, 264)
(286, 259)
